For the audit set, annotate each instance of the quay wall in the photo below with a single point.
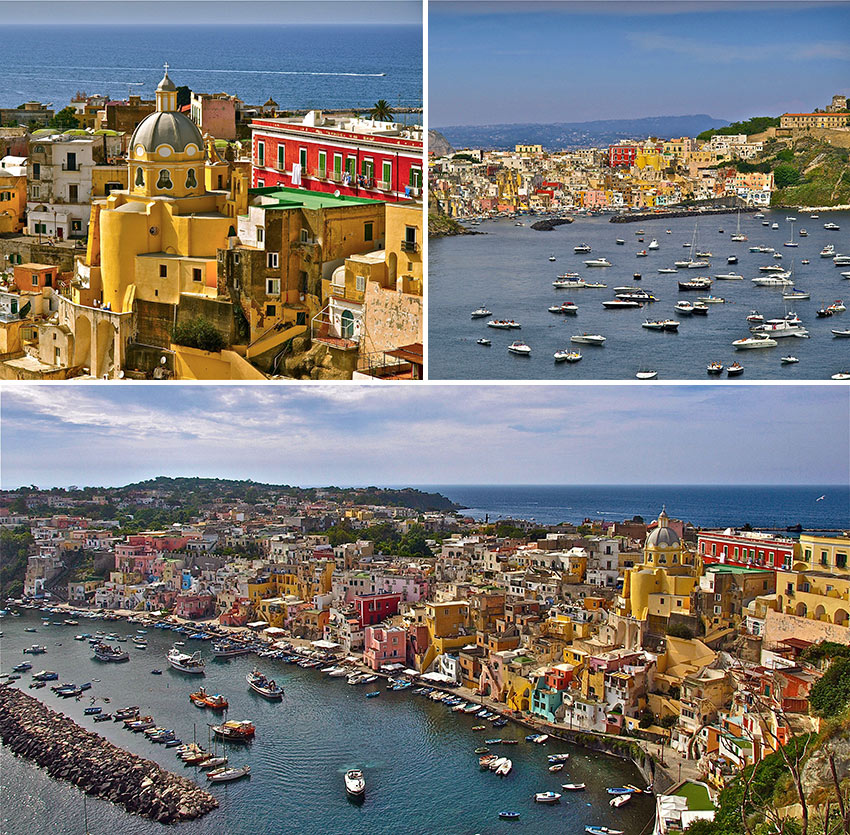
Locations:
(69, 752)
(633, 217)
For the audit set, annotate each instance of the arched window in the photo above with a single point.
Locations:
(164, 180)
(140, 177)
(191, 181)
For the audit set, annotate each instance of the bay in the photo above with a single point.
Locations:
(422, 775)
(508, 271)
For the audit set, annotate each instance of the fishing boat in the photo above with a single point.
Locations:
(185, 663)
(234, 731)
(228, 649)
(106, 652)
(567, 356)
(355, 783)
(226, 775)
(547, 797)
(45, 675)
(509, 816)
(266, 687)
(519, 348)
(201, 698)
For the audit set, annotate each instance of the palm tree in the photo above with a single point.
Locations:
(381, 111)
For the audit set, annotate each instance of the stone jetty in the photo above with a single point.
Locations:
(69, 752)
(550, 224)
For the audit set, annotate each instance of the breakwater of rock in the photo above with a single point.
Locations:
(549, 225)
(69, 752)
(632, 217)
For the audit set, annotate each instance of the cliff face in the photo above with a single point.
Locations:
(443, 226)
(438, 144)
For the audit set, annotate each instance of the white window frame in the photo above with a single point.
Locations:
(360, 283)
(271, 260)
(281, 156)
(273, 287)
(261, 153)
(261, 235)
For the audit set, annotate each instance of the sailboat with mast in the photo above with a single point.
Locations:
(690, 263)
(739, 235)
(792, 242)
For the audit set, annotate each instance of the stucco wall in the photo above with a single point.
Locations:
(778, 627)
(392, 318)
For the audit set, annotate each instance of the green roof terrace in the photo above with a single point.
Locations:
(280, 197)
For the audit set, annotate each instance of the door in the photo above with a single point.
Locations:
(347, 326)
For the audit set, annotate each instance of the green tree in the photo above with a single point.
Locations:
(381, 111)
(200, 333)
(14, 550)
(785, 175)
(679, 630)
(184, 95)
(831, 693)
(65, 119)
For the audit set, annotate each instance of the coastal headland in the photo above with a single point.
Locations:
(69, 752)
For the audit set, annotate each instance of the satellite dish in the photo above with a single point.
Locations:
(336, 193)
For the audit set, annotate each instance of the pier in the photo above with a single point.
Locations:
(69, 752)
(633, 217)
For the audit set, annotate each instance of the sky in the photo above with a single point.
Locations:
(107, 435)
(515, 62)
(212, 11)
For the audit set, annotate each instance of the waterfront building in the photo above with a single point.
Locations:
(348, 156)
(747, 549)
(384, 645)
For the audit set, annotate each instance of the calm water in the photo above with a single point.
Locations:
(759, 505)
(299, 66)
(508, 271)
(422, 775)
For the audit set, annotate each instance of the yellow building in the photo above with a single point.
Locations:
(13, 194)
(151, 252)
(528, 150)
(813, 120)
(661, 586)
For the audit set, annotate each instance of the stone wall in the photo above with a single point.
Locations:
(778, 626)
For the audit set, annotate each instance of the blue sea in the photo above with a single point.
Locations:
(705, 506)
(299, 66)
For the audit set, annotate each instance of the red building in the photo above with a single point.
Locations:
(621, 155)
(356, 157)
(746, 548)
(376, 608)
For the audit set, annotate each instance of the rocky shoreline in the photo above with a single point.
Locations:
(549, 225)
(69, 752)
(633, 217)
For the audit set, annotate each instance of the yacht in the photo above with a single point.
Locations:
(588, 339)
(831, 227)
(828, 251)
(480, 313)
(701, 283)
(355, 783)
(617, 304)
(668, 270)
(581, 248)
(729, 277)
(597, 262)
(562, 283)
(661, 325)
(777, 280)
(503, 324)
(653, 244)
(185, 663)
(771, 268)
(684, 307)
(519, 348)
(777, 328)
(755, 316)
(841, 260)
(752, 342)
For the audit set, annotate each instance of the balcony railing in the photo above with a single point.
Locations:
(415, 191)
(409, 246)
(384, 185)
(336, 176)
(323, 329)
(68, 166)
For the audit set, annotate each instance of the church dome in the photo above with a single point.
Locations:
(662, 536)
(170, 128)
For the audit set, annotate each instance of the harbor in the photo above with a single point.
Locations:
(298, 753)
(687, 272)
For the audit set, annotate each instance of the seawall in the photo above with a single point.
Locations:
(69, 752)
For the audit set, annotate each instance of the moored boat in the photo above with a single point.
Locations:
(226, 775)
(355, 783)
(266, 687)
(234, 731)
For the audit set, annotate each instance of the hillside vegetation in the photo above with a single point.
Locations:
(755, 125)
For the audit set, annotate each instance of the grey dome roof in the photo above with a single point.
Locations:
(167, 85)
(167, 128)
(663, 537)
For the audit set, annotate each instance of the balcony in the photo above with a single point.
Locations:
(68, 166)
(384, 185)
(415, 191)
(324, 330)
(336, 176)
(409, 246)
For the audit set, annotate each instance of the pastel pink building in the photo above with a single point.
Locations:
(384, 645)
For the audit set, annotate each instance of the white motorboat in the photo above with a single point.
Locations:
(552, 257)
(567, 356)
(547, 797)
(504, 769)
(617, 304)
(845, 274)
(503, 324)
(729, 277)
(581, 248)
(574, 787)
(828, 251)
(519, 348)
(648, 374)
(711, 299)
(266, 687)
(483, 341)
(752, 342)
(831, 227)
(789, 360)
(355, 783)
(186, 663)
(480, 313)
(841, 375)
(620, 800)
(841, 260)
(668, 271)
(566, 307)
(772, 268)
(845, 334)
(653, 244)
(597, 262)
(684, 307)
(778, 280)
(588, 339)
(497, 763)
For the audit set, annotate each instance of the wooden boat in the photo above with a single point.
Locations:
(547, 797)
(574, 787)
(509, 816)
(234, 731)
(620, 800)
(267, 688)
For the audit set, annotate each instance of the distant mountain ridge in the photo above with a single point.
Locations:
(557, 135)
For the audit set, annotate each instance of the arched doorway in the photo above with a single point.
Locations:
(801, 611)
(347, 324)
(820, 613)
(840, 617)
